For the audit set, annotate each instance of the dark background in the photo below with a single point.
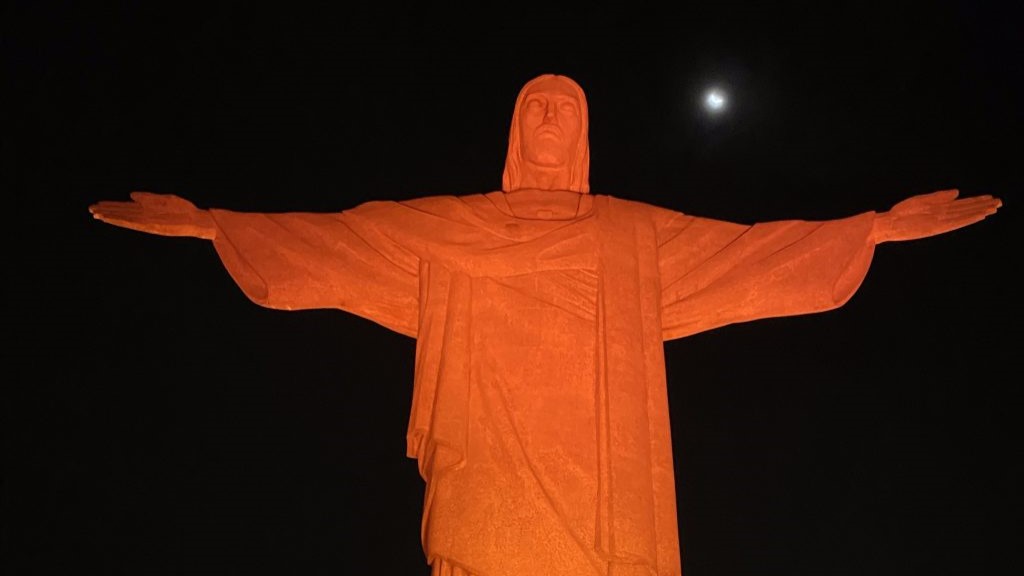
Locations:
(157, 422)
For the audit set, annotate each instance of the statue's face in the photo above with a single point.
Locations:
(549, 124)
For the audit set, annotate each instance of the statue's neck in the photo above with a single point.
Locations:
(534, 204)
(540, 178)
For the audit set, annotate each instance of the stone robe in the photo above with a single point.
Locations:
(540, 418)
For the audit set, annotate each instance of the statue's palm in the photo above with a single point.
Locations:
(935, 213)
(164, 214)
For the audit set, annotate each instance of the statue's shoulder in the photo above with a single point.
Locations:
(443, 206)
(635, 208)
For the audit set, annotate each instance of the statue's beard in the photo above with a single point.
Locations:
(549, 153)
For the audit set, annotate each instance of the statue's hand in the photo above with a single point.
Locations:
(930, 214)
(164, 214)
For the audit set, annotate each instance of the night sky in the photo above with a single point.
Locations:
(158, 422)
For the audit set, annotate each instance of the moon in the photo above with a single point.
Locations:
(715, 101)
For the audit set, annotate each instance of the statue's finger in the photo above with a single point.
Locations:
(114, 209)
(99, 207)
(151, 198)
(940, 196)
(983, 205)
(963, 221)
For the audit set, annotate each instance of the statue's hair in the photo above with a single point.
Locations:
(579, 179)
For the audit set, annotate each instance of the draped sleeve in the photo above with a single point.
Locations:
(347, 260)
(715, 273)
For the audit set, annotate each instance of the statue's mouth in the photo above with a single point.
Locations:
(549, 131)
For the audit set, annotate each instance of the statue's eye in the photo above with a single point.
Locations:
(535, 103)
(567, 107)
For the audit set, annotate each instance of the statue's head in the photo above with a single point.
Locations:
(548, 144)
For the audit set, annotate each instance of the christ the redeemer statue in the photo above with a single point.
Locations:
(540, 419)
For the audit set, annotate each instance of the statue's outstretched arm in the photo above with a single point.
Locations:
(930, 214)
(163, 214)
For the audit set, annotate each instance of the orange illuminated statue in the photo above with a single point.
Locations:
(540, 419)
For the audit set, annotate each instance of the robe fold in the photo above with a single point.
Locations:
(540, 417)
